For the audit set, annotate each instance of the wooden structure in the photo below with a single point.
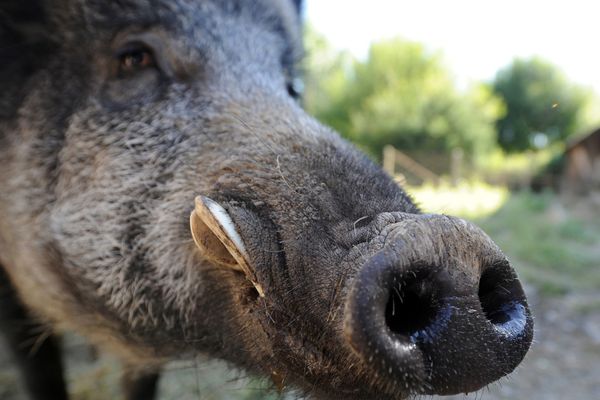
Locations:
(581, 171)
(410, 170)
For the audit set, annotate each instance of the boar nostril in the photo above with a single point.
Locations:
(430, 325)
(410, 308)
(501, 298)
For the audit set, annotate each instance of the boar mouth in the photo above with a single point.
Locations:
(295, 350)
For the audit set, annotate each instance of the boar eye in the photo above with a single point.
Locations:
(135, 58)
(295, 88)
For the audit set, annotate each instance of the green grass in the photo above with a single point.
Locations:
(549, 245)
(8, 384)
(500, 167)
(468, 200)
(183, 380)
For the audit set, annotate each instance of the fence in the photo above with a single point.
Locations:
(406, 169)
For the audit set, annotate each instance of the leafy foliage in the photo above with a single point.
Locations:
(400, 95)
(542, 106)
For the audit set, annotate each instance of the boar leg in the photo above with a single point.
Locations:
(37, 357)
(140, 385)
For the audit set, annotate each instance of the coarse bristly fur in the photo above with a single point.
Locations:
(100, 168)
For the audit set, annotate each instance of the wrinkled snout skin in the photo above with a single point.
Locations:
(364, 296)
(438, 299)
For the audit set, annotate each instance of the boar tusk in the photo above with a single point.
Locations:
(278, 381)
(210, 245)
(224, 221)
(216, 218)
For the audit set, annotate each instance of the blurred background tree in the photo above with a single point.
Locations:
(542, 106)
(400, 95)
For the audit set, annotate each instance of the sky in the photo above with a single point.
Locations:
(476, 37)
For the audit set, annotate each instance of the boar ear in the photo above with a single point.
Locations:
(217, 239)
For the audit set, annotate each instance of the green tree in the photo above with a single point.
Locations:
(542, 106)
(326, 80)
(401, 95)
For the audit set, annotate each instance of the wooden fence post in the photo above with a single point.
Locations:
(389, 159)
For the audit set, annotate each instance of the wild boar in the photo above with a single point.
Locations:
(124, 123)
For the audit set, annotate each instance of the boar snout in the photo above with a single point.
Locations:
(440, 306)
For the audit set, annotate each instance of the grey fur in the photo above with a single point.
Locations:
(100, 172)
